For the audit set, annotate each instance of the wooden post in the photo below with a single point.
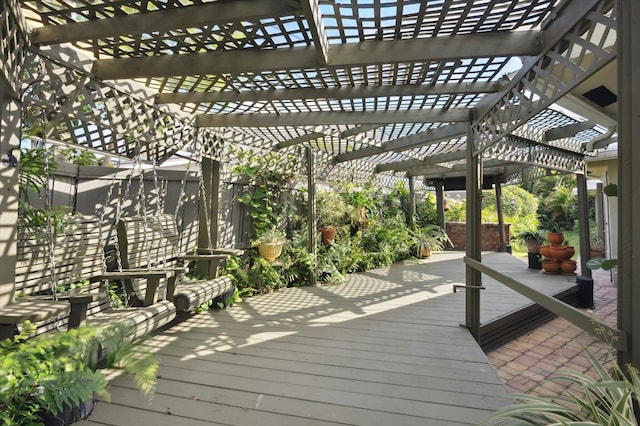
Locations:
(498, 186)
(311, 217)
(412, 202)
(583, 224)
(628, 57)
(600, 212)
(208, 235)
(9, 151)
(439, 184)
(474, 223)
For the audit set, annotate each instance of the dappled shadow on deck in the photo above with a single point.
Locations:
(385, 348)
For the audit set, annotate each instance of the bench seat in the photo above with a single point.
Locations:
(143, 320)
(189, 295)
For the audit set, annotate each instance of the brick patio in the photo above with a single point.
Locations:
(525, 363)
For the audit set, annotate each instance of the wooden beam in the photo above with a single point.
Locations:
(329, 93)
(316, 132)
(427, 137)
(10, 120)
(311, 10)
(628, 14)
(427, 161)
(312, 233)
(329, 118)
(567, 131)
(520, 43)
(473, 279)
(220, 12)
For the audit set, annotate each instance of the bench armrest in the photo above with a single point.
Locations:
(153, 278)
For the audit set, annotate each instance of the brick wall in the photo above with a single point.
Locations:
(489, 233)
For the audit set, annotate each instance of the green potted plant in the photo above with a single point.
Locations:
(270, 244)
(533, 240)
(430, 239)
(332, 210)
(53, 379)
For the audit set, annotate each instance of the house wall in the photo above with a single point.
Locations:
(490, 232)
(606, 170)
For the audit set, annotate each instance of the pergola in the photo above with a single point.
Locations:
(425, 91)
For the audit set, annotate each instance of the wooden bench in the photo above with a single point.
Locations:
(78, 256)
(154, 243)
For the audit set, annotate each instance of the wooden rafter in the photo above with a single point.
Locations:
(328, 118)
(427, 137)
(330, 93)
(522, 43)
(311, 9)
(165, 20)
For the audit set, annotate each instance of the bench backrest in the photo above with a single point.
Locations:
(150, 242)
(77, 254)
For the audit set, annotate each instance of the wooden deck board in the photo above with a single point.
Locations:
(386, 348)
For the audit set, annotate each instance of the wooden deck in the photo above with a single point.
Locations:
(384, 349)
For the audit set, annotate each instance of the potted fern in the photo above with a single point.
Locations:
(53, 379)
(430, 239)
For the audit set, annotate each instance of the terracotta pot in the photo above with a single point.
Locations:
(545, 251)
(568, 266)
(328, 235)
(270, 251)
(551, 266)
(425, 252)
(555, 238)
(571, 250)
(559, 253)
(533, 246)
(597, 252)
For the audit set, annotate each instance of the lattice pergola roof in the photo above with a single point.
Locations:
(390, 86)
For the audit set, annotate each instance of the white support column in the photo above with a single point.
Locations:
(9, 151)
(629, 196)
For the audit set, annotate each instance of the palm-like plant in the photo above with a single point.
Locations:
(606, 399)
(559, 202)
(431, 238)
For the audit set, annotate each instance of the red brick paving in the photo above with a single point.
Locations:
(526, 363)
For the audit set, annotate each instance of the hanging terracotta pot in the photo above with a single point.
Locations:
(328, 235)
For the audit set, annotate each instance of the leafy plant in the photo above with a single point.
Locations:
(43, 375)
(331, 208)
(33, 220)
(432, 238)
(271, 236)
(268, 193)
(525, 236)
(610, 190)
(606, 399)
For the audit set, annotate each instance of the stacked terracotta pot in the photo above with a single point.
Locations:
(557, 257)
